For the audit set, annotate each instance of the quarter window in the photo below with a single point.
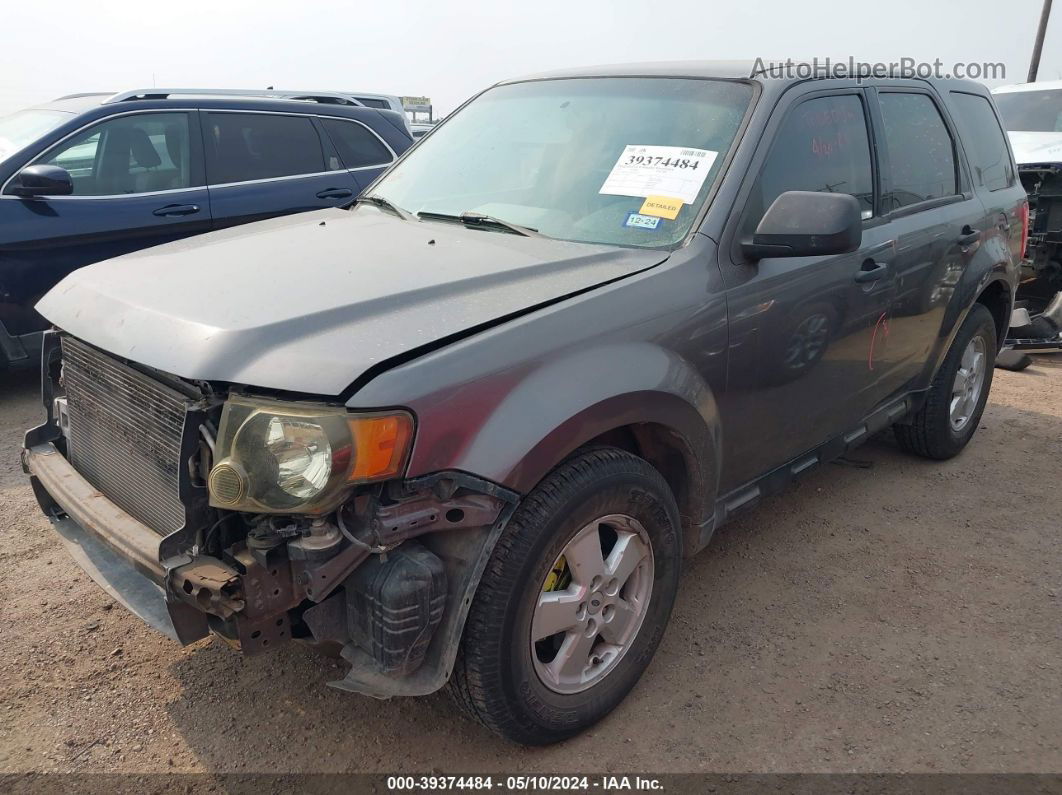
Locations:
(251, 146)
(127, 154)
(921, 152)
(987, 148)
(357, 147)
(822, 145)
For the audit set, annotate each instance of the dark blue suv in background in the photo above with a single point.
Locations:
(93, 176)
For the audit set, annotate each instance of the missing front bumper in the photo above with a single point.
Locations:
(253, 603)
(120, 553)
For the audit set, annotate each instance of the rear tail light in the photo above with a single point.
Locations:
(1024, 212)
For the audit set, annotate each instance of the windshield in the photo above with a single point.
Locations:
(1031, 111)
(21, 129)
(626, 161)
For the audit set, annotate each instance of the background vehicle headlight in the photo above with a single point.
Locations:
(278, 457)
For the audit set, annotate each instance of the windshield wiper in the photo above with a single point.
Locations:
(483, 221)
(387, 204)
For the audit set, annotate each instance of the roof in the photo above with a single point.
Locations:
(1046, 85)
(718, 69)
(780, 71)
(75, 103)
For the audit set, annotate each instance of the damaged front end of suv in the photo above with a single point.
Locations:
(1031, 113)
(208, 510)
(1037, 323)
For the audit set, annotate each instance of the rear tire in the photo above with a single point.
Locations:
(605, 504)
(956, 400)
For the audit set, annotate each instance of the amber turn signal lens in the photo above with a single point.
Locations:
(381, 444)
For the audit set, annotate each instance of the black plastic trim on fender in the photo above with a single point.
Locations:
(457, 545)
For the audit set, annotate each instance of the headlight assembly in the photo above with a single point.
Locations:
(278, 457)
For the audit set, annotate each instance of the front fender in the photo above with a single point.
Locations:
(562, 404)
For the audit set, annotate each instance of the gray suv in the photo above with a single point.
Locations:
(467, 430)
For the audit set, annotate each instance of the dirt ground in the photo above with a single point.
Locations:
(899, 617)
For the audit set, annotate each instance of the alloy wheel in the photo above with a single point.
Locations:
(968, 383)
(592, 603)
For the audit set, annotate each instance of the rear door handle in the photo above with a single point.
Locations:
(871, 271)
(177, 209)
(969, 236)
(335, 193)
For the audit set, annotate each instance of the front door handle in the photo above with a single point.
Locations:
(335, 193)
(871, 271)
(177, 209)
(969, 236)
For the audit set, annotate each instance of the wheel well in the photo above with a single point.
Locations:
(666, 451)
(996, 298)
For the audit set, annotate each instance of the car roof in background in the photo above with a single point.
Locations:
(1046, 85)
(75, 103)
(374, 95)
(208, 98)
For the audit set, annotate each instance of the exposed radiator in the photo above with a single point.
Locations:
(125, 433)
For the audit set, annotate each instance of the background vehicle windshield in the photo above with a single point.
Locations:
(21, 129)
(576, 159)
(1031, 111)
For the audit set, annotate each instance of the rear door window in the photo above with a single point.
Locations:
(822, 145)
(983, 137)
(358, 146)
(242, 147)
(921, 151)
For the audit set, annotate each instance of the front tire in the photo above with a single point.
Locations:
(574, 600)
(952, 411)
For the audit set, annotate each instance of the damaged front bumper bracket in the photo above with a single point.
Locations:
(119, 552)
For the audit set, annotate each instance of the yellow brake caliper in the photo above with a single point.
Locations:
(559, 577)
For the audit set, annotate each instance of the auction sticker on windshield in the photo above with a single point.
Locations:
(674, 171)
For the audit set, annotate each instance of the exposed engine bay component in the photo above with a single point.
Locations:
(394, 604)
(354, 580)
(1043, 257)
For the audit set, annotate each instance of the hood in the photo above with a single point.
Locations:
(1036, 147)
(309, 302)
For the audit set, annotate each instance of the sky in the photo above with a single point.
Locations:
(451, 50)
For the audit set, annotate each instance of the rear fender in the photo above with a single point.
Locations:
(978, 277)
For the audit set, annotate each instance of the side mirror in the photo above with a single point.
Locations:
(41, 180)
(802, 223)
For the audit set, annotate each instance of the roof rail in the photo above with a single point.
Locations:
(326, 97)
(83, 95)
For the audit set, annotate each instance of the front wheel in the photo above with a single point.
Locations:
(957, 398)
(574, 600)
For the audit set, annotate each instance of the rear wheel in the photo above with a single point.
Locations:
(574, 600)
(957, 398)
